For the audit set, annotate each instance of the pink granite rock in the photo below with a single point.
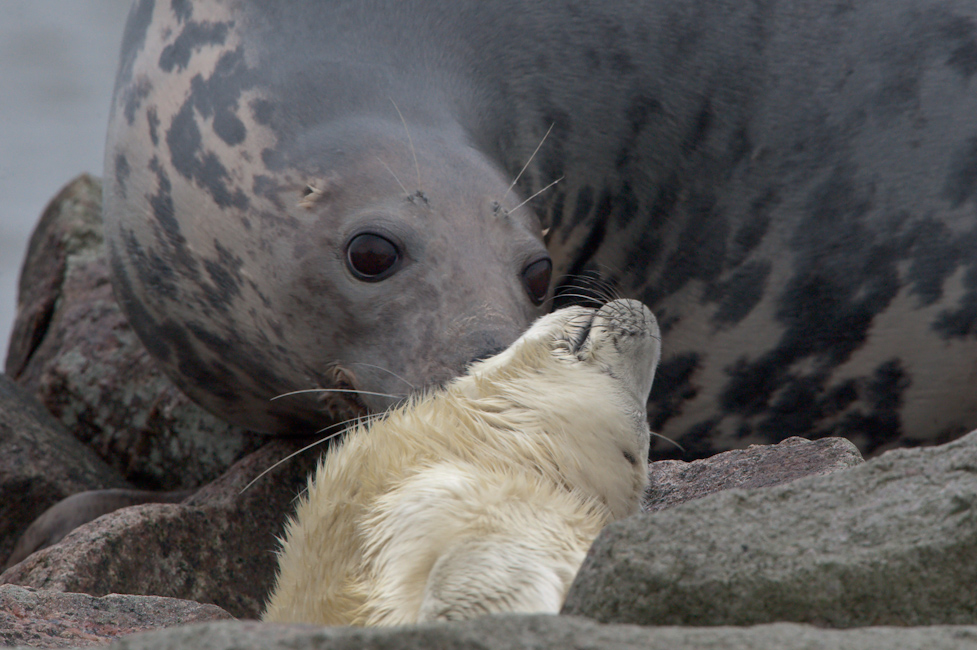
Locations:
(672, 482)
(50, 619)
(216, 547)
(72, 348)
(40, 464)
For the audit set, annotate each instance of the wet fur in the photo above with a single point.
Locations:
(485, 496)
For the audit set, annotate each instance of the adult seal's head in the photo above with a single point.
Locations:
(269, 234)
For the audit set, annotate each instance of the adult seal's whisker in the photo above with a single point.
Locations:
(352, 421)
(337, 390)
(407, 192)
(410, 140)
(382, 369)
(526, 166)
(535, 194)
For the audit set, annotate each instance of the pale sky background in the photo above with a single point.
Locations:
(57, 66)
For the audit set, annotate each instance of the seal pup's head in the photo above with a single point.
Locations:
(581, 377)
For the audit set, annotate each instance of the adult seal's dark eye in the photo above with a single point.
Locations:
(371, 257)
(536, 278)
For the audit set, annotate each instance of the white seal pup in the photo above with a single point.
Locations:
(483, 496)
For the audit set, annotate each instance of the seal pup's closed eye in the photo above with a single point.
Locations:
(483, 496)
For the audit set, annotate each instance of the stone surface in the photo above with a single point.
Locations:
(47, 619)
(66, 515)
(544, 633)
(890, 542)
(672, 482)
(73, 349)
(215, 547)
(40, 464)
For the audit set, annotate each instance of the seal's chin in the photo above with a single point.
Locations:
(482, 357)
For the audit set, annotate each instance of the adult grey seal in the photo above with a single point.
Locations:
(300, 194)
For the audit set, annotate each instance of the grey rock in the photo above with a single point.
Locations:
(544, 633)
(66, 515)
(73, 349)
(215, 547)
(40, 464)
(890, 542)
(41, 619)
(672, 482)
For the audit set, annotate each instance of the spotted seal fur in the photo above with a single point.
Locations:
(482, 497)
(297, 193)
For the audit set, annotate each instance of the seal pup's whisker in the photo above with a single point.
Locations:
(582, 296)
(391, 372)
(336, 390)
(589, 278)
(526, 166)
(410, 140)
(595, 288)
(537, 194)
(666, 438)
(603, 292)
(610, 269)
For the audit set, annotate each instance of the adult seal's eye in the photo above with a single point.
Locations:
(371, 257)
(536, 278)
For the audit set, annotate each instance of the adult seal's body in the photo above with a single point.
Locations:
(482, 497)
(298, 194)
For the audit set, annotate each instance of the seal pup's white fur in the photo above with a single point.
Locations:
(483, 496)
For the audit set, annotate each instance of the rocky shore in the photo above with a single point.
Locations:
(796, 545)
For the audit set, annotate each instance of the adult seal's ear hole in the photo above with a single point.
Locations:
(372, 257)
(536, 278)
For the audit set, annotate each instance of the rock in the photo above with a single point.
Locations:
(890, 542)
(215, 547)
(42, 619)
(672, 482)
(40, 464)
(74, 350)
(67, 514)
(543, 633)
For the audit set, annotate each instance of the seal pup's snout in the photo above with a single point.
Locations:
(624, 336)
